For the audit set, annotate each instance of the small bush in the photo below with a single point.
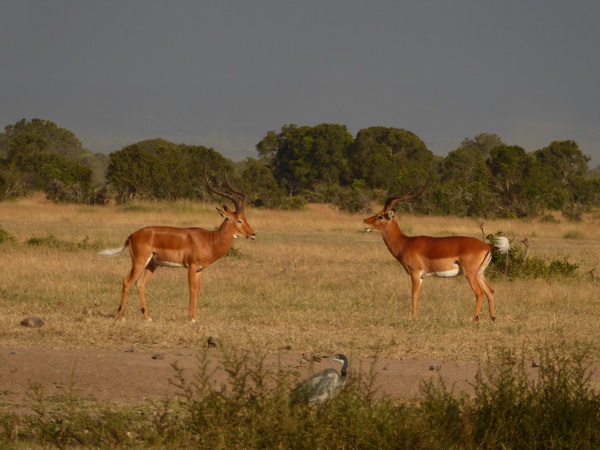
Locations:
(5, 236)
(234, 253)
(556, 409)
(52, 242)
(549, 218)
(574, 234)
(295, 203)
(352, 199)
(516, 263)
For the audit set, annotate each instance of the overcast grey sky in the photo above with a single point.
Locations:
(223, 73)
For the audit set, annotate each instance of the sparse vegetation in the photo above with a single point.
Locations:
(556, 409)
(5, 236)
(312, 282)
(51, 241)
(574, 234)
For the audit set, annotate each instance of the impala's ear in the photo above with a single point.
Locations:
(223, 215)
(390, 214)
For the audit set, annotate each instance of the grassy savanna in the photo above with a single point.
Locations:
(313, 281)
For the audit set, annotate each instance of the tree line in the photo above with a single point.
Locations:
(483, 177)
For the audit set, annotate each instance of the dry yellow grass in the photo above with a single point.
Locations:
(313, 281)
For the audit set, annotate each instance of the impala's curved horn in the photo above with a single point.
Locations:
(244, 196)
(392, 201)
(222, 194)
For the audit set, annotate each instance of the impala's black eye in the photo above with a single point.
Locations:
(379, 217)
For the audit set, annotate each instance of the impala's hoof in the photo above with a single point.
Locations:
(493, 318)
(475, 319)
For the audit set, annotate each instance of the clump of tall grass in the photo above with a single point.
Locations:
(5, 236)
(53, 242)
(574, 234)
(509, 408)
(556, 409)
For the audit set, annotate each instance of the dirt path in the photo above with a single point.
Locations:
(132, 376)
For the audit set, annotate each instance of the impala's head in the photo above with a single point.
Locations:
(237, 218)
(380, 221)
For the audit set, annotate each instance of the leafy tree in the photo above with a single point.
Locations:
(593, 173)
(200, 160)
(163, 170)
(564, 166)
(465, 178)
(258, 182)
(268, 146)
(517, 180)
(304, 157)
(38, 134)
(64, 180)
(31, 163)
(483, 143)
(130, 172)
(563, 160)
(389, 158)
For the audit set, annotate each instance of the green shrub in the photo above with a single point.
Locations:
(52, 242)
(5, 236)
(549, 218)
(516, 263)
(556, 409)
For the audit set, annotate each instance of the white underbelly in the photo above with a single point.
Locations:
(167, 263)
(444, 273)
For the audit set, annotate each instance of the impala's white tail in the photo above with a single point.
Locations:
(112, 251)
(502, 244)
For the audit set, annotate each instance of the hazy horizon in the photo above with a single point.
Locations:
(223, 74)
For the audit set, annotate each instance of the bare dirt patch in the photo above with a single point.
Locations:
(134, 376)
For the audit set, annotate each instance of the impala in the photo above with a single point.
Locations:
(423, 256)
(192, 248)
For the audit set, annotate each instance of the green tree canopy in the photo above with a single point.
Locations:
(163, 170)
(259, 183)
(37, 134)
(389, 158)
(33, 162)
(304, 157)
(518, 181)
(465, 182)
(483, 142)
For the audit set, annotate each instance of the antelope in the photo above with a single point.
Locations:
(192, 248)
(423, 256)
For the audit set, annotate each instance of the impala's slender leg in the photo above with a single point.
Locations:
(137, 266)
(489, 292)
(140, 283)
(416, 289)
(474, 283)
(194, 277)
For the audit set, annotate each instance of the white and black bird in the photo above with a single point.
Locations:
(323, 385)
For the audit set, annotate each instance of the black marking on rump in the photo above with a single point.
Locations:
(485, 258)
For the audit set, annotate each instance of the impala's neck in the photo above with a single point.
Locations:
(394, 238)
(223, 238)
